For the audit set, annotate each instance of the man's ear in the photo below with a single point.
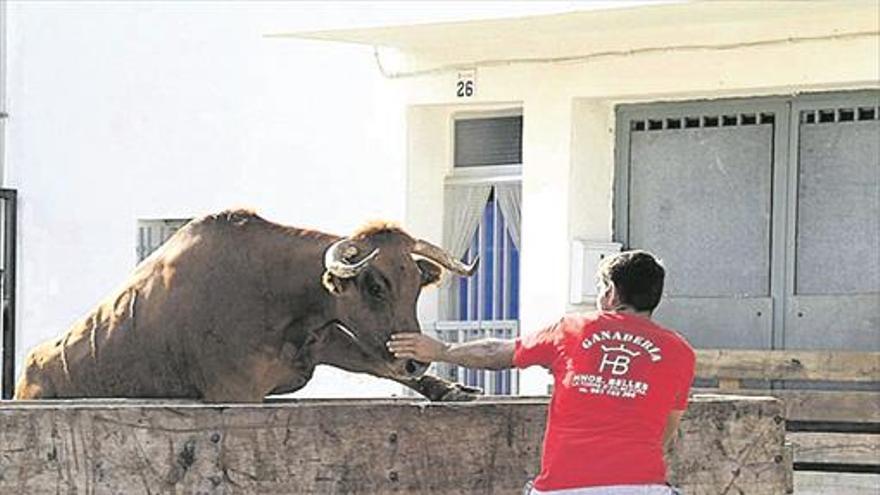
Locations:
(604, 299)
(612, 295)
(334, 284)
(430, 272)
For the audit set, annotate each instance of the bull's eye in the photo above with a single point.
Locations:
(375, 290)
(375, 287)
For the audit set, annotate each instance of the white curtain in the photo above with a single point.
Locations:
(463, 208)
(509, 196)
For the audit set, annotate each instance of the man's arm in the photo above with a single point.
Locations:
(670, 433)
(493, 354)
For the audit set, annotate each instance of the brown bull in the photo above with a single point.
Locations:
(234, 307)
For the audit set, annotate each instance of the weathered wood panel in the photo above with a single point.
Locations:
(822, 405)
(816, 483)
(727, 445)
(732, 445)
(836, 448)
(788, 365)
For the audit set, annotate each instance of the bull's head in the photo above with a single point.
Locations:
(376, 277)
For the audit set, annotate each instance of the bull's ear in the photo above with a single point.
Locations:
(334, 284)
(430, 272)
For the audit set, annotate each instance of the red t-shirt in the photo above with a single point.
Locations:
(617, 376)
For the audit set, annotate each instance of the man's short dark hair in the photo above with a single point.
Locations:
(637, 276)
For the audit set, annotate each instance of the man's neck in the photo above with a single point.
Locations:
(624, 308)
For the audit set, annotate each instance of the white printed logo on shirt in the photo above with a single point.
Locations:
(621, 358)
(616, 359)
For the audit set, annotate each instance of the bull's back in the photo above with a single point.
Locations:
(118, 348)
(148, 339)
(99, 356)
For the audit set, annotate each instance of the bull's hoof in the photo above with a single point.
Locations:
(438, 389)
(460, 393)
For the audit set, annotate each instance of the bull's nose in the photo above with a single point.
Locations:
(415, 368)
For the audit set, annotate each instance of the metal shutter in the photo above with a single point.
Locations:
(488, 141)
(766, 212)
(835, 299)
(699, 196)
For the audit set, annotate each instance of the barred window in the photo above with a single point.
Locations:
(154, 232)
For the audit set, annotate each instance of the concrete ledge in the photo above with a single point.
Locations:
(732, 444)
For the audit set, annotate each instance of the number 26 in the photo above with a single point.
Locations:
(464, 89)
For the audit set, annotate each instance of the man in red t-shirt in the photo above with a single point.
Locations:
(621, 383)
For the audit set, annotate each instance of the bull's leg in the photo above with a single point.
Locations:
(439, 389)
(296, 368)
(298, 378)
(224, 392)
(235, 384)
(268, 374)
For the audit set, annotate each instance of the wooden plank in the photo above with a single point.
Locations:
(813, 483)
(830, 406)
(788, 365)
(361, 446)
(836, 448)
(821, 405)
(728, 384)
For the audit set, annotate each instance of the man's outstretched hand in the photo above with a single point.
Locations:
(418, 346)
(489, 354)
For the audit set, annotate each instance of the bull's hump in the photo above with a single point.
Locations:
(236, 216)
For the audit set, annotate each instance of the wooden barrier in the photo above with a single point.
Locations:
(731, 367)
(727, 445)
(834, 430)
(789, 365)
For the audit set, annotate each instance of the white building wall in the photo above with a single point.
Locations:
(129, 110)
(568, 109)
(120, 112)
(545, 197)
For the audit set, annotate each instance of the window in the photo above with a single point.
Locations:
(488, 141)
(486, 305)
(765, 212)
(493, 292)
(154, 233)
(482, 219)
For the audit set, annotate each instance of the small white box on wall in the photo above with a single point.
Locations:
(585, 258)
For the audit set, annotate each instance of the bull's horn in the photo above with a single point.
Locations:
(341, 250)
(443, 258)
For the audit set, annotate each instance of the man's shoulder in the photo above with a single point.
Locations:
(675, 338)
(683, 348)
(577, 323)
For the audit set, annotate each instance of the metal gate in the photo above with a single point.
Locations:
(7, 288)
(833, 282)
(695, 185)
(765, 212)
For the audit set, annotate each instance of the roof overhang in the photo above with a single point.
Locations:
(568, 35)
